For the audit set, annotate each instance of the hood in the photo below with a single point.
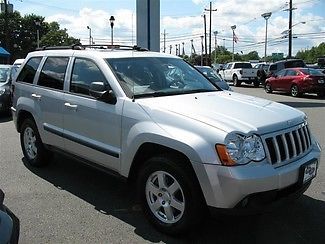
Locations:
(228, 111)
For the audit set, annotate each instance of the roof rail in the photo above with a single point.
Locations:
(94, 46)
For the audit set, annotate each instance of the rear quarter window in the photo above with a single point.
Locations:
(28, 72)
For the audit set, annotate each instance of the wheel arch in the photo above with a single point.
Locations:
(22, 115)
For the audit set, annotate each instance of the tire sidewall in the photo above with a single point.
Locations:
(268, 88)
(192, 206)
(40, 156)
(291, 91)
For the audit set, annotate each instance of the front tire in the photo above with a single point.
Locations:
(170, 195)
(31, 144)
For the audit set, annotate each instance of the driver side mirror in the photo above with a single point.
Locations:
(102, 92)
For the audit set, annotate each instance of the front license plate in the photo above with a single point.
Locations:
(308, 171)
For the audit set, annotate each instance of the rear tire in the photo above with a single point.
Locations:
(31, 144)
(295, 91)
(256, 83)
(170, 194)
(236, 81)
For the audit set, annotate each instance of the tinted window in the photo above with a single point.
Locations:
(294, 64)
(53, 72)
(84, 73)
(273, 67)
(242, 65)
(311, 72)
(291, 73)
(29, 70)
(281, 73)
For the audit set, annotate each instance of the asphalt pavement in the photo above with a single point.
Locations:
(68, 202)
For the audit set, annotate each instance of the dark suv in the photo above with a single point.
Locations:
(284, 64)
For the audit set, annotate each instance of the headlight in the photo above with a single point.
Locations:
(239, 149)
(2, 91)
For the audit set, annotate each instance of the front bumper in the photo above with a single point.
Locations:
(227, 187)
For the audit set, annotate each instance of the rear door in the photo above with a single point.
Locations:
(92, 128)
(278, 82)
(48, 96)
(290, 77)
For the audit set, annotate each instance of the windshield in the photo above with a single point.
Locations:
(4, 74)
(210, 73)
(156, 76)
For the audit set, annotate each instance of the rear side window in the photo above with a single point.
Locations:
(242, 66)
(53, 72)
(312, 72)
(83, 74)
(294, 64)
(291, 73)
(273, 67)
(29, 70)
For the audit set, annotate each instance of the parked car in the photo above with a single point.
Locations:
(262, 69)
(213, 76)
(284, 64)
(5, 83)
(9, 224)
(239, 72)
(297, 81)
(187, 145)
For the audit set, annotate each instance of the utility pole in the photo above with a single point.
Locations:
(6, 44)
(290, 29)
(210, 32)
(202, 50)
(215, 45)
(164, 40)
(205, 39)
(176, 46)
(233, 27)
(183, 51)
(170, 49)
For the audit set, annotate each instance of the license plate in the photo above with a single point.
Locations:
(321, 81)
(308, 171)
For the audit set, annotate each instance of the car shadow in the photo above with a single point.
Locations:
(301, 222)
(5, 117)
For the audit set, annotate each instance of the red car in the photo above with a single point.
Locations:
(297, 81)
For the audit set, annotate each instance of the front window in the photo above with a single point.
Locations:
(154, 76)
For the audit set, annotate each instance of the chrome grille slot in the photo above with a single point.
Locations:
(286, 146)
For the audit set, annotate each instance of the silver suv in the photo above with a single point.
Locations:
(152, 118)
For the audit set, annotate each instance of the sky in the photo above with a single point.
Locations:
(182, 21)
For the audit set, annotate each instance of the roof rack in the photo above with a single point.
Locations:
(95, 46)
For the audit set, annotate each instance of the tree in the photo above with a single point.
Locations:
(310, 56)
(23, 34)
(57, 37)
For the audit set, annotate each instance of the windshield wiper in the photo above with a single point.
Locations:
(170, 93)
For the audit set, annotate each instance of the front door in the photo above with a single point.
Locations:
(92, 128)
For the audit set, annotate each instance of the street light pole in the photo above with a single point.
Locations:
(38, 25)
(266, 16)
(233, 27)
(111, 20)
(202, 50)
(89, 35)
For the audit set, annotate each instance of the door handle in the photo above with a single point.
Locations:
(71, 106)
(38, 97)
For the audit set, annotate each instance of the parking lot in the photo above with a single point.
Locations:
(67, 202)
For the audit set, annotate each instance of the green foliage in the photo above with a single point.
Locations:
(311, 55)
(22, 34)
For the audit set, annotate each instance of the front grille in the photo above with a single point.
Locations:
(286, 146)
